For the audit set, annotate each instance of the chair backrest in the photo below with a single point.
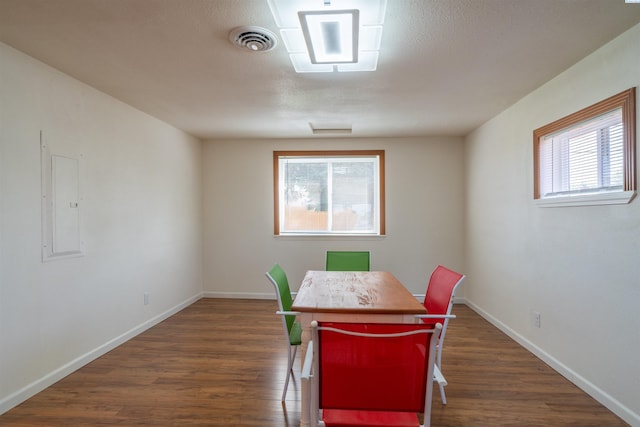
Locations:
(441, 289)
(348, 261)
(279, 280)
(373, 367)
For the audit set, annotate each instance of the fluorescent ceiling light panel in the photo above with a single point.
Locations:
(330, 128)
(370, 38)
(319, 52)
(302, 64)
(331, 131)
(331, 36)
(368, 61)
(293, 40)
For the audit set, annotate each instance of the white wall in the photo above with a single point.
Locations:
(141, 223)
(425, 214)
(580, 266)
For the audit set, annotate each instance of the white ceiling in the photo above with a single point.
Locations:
(445, 67)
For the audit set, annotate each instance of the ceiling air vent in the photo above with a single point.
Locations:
(253, 39)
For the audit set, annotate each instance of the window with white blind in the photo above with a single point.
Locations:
(589, 156)
(329, 192)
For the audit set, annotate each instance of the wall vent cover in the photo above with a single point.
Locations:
(253, 39)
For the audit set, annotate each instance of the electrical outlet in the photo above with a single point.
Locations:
(146, 298)
(536, 319)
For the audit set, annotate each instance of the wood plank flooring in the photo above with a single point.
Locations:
(222, 362)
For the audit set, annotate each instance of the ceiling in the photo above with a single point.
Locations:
(445, 66)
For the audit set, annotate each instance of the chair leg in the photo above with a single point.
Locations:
(441, 380)
(291, 356)
(443, 397)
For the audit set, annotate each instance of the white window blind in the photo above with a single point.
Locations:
(585, 158)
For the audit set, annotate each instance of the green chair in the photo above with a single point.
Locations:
(348, 261)
(292, 328)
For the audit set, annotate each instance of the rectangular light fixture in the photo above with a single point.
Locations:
(333, 128)
(331, 36)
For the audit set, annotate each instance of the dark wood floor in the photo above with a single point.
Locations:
(222, 363)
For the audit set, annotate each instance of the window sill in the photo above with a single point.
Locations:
(610, 198)
(327, 236)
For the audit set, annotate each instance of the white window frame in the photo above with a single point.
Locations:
(621, 194)
(279, 159)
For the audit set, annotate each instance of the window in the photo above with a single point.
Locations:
(588, 157)
(329, 192)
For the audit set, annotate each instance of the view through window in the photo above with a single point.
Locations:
(329, 192)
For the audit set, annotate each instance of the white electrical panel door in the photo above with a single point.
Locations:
(61, 207)
(65, 209)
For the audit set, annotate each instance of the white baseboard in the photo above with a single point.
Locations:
(40, 384)
(591, 389)
(240, 295)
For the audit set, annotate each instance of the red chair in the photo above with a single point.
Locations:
(439, 301)
(370, 374)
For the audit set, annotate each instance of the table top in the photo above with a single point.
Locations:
(370, 292)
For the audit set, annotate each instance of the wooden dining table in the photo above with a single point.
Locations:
(350, 296)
